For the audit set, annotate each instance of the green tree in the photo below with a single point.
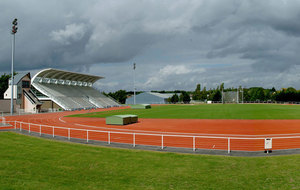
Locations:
(222, 86)
(181, 97)
(4, 84)
(216, 96)
(256, 93)
(169, 100)
(268, 94)
(185, 97)
(198, 88)
(119, 95)
(273, 89)
(197, 92)
(289, 94)
(174, 98)
(203, 94)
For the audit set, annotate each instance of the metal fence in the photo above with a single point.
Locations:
(2, 118)
(162, 140)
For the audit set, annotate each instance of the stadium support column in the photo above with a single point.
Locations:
(134, 66)
(13, 32)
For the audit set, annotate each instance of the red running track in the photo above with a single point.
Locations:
(220, 134)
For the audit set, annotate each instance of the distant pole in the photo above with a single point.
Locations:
(237, 96)
(242, 95)
(222, 96)
(134, 66)
(13, 32)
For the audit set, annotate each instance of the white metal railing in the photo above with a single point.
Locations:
(87, 133)
(2, 118)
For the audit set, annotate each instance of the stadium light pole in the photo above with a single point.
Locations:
(134, 66)
(222, 96)
(237, 96)
(242, 91)
(13, 32)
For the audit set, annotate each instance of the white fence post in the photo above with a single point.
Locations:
(69, 132)
(29, 127)
(20, 126)
(133, 139)
(108, 137)
(53, 131)
(3, 118)
(15, 124)
(162, 141)
(40, 130)
(194, 148)
(87, 136)
(228, 145)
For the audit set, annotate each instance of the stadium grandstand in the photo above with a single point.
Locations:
(71, 90)
(53, 89)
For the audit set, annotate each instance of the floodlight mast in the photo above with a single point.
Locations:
(237, 96)
(13, 32)
(242, 95)
(222, 96)
(134, 66)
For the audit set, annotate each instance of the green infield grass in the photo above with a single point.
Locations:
(209, 111)
(33, 163)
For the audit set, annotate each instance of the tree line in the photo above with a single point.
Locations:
(289, 94)
(179, 96)
(184, 97)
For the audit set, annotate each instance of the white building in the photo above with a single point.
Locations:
(150, 98)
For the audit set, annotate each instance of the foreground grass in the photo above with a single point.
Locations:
(210, 111)
(33, 163)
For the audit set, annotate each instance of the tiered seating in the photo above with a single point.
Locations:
(99, 98)
(73, 97)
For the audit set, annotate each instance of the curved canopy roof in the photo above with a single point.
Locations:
(19, 76)
(66, 75)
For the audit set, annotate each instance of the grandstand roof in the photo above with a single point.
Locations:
(19, 76)
(150, 98)
(66, 75)
(161, 95)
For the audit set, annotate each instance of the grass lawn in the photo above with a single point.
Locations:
(34, 163)
(210, 111)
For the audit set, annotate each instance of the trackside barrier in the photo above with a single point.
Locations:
(2, 118)
(162, 140)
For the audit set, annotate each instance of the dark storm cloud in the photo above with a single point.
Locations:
(262, 31)
(162, 35)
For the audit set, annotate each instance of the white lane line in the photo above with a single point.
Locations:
(60, 119)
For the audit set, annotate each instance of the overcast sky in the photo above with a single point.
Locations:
(176, 44)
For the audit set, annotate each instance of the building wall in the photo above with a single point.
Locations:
(7, 93)
(49, 104)
(5, 105)
(23, 98)
(26, 78)
(28, 106)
